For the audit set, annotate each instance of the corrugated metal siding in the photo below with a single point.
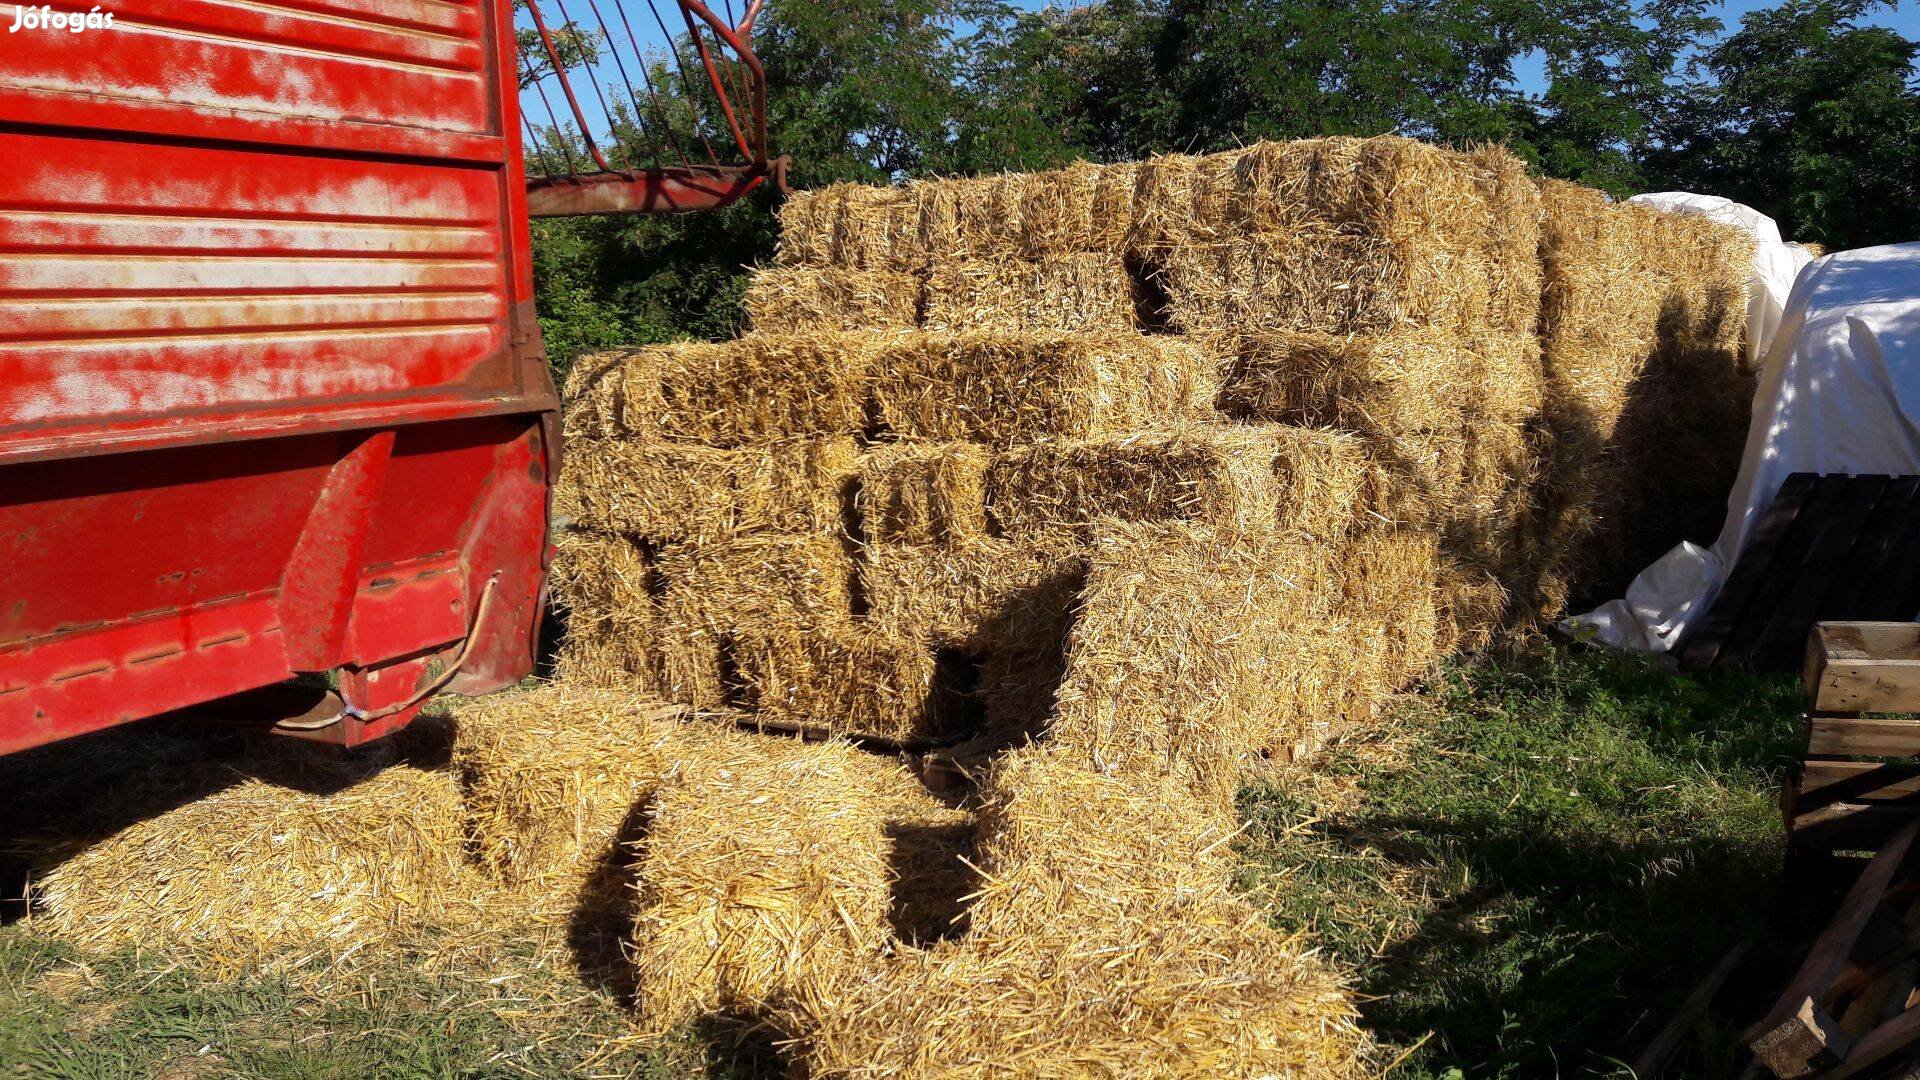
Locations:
(144, 277)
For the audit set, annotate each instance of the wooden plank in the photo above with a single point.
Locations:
(1906, 1070)
(1824, 782)
(1849, 826)
(1847, 736)
(1782, 639)
(1896, 1034)
(1804, 1043)
(1895, 591)
(1744, 639)
(1864, 667)
(1881, 537)
(1831, 949)
(1749, 569)
(1879, 969)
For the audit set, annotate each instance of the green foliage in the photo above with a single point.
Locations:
(630, 280)
(1564, 845)
(1813, 119)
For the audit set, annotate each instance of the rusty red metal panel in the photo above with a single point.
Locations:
(226, 278)
(659, 191)
(271, 393)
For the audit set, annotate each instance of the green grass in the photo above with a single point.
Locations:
(125, 1015)
(1543, 861)
(1526, 869)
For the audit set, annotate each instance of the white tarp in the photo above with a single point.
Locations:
(1839, 392)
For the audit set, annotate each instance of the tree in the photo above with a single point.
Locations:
(1138, 76)
(1809, 117)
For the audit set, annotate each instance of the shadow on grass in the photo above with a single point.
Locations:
(1556, 955)
(1557, 850)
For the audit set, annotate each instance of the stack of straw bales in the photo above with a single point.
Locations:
(1155, 467)
(1115, 949)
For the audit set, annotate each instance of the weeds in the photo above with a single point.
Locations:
(1536, 858)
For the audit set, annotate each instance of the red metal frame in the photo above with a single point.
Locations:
(272, 397)
(670, 189)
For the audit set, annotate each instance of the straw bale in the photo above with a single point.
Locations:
(712, 592)
(1003, 605)
(917, 493)
(263, 873)
(591, 397)
(808, 299)
(1334, 671)
(852, 681)
(1076, 293)
(1161, 998)
(1428, 201)
(1641, 321)
(1328, 482)
(1404, 382)
(552, 773)
(1342, 235)
(1222, 476)
(976, 217)
(976, 595)
(670, 492)
(750, 580)
(1513, 244)
(1311, 482)
(1019, 681)
(1157, 849)
(1406, 191)
(1178, 658)
(1333, 283)
(806, 235)
(764, 867)
(1274, 186)
(1420, 474)
(1011, 389)
(1081, 208)
(849, 226)
(1473, 604)
(603, 583)
(1390, 580)
(1499, 469)
(1163, 202)
(1510, 384)
(731, 393)
(1182, 201)
(930, 849)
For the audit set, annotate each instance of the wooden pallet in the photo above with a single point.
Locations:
(1860, 777)
(1850, 1006)
(1831, 547)
(1855, 1001)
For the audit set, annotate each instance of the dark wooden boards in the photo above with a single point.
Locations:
(1799, 1035)
(1827, 548)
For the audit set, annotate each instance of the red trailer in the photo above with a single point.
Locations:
(272, 396)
